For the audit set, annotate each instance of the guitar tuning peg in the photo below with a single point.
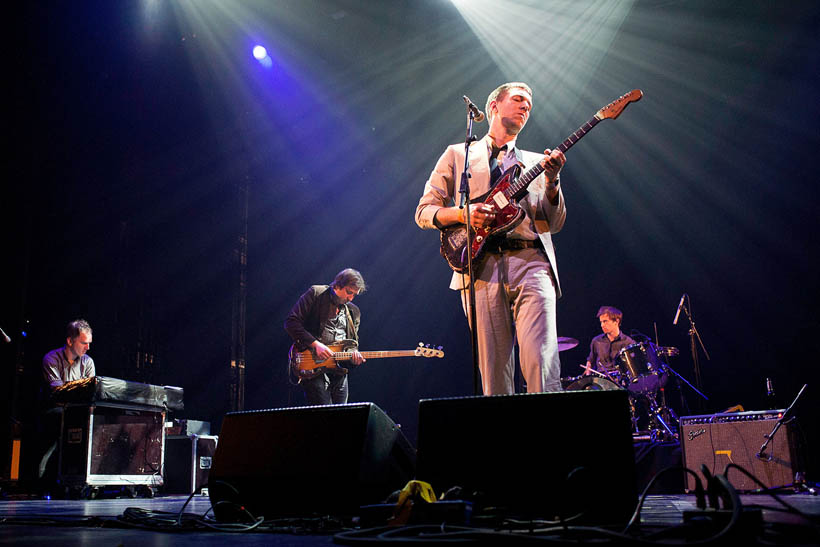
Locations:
(427, 346)
(440, 348)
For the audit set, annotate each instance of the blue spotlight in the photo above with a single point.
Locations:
(261, 55)
(259, 52)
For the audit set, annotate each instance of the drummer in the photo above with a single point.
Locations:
(604, 349)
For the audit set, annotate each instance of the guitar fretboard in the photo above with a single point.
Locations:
(516, 190)
(347, 355)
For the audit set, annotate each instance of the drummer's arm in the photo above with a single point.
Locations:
(588, 369)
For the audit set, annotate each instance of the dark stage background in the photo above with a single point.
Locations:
(137, 128)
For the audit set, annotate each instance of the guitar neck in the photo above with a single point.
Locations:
(347, 355)
(517, 189)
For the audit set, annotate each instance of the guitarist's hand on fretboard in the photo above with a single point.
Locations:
(357, 358)
(552, 163)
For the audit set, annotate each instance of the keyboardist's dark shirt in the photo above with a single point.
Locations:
(57, 370)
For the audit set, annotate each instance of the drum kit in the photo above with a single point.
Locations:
(641, 369)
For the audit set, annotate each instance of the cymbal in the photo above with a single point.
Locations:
(565, 343)
(668, 351)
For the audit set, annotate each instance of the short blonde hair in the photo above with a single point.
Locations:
(502, 90)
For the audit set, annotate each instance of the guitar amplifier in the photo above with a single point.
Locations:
(716, 440)
(187, 462)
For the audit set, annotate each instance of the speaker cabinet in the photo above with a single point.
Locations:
(188, 460)
(716, 440)
(302, 461)
(539, 455)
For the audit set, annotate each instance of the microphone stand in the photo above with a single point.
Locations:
(464, 190)
(693, 333)
(760, 454)
(670, 369)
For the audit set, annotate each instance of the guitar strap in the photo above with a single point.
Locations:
(351, 328)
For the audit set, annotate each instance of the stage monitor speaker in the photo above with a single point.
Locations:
(538, 455)
(306, 461)
(716, 440)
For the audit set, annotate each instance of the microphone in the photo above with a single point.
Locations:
(478, 115)
(5, 336)
(677, 313)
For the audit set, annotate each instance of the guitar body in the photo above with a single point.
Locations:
(512, 186)
(305, 365)
(508, 215)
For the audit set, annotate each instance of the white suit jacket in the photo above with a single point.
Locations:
(441, 190)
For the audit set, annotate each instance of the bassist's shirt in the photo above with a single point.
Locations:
(313, 315)
(335, 329)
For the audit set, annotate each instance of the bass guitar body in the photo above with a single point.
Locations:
(306, 365)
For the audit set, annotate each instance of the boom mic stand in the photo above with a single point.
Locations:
(787, 414)
(693, 334)
(464, 203)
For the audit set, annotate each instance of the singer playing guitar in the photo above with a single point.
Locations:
(517, 280)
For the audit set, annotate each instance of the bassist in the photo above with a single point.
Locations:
(517, 279)
(325, 314)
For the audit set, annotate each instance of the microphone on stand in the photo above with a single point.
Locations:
(478, 115)
(680, 306)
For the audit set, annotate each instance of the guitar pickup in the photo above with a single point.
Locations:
(500, 200)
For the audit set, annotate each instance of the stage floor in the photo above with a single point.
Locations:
(99, 522)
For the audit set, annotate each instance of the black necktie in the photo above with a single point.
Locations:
(495, 168)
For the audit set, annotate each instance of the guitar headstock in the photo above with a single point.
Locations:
(424, 350)
(614, 109)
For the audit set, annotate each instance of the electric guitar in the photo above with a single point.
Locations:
(511, 187)
(305, 365)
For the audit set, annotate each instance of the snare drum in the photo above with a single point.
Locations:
(640, 365)
(593, 383)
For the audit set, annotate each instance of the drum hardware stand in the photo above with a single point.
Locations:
(655, 412)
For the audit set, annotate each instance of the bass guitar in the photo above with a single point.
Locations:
(305, 365)
(511, 187)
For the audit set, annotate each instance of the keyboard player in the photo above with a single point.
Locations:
(68, 363)
(71, 362)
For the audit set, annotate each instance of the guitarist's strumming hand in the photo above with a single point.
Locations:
(481, 215)
(322, 352)
(552, 163)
